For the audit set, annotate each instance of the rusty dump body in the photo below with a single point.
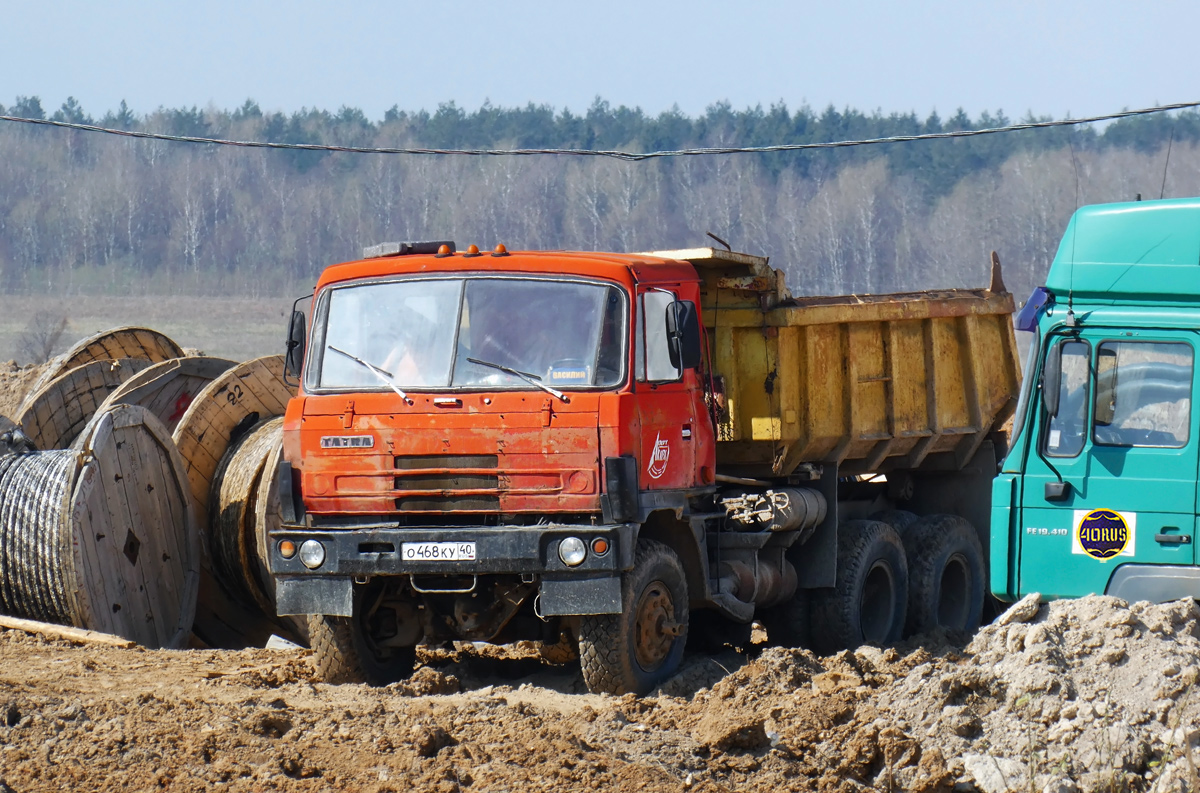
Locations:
(871, 382)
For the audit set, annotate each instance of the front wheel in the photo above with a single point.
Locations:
(352, 649)
(639, 648)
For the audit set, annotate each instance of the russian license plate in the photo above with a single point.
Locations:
(437, 551)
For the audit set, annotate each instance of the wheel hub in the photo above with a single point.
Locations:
(877, 603)
(654, 628)
(954, 603)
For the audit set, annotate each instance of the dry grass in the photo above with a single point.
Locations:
(229, 327)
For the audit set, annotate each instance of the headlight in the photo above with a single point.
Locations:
(312, 553)
(571, 550)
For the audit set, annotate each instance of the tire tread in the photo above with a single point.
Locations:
(605, 655)
(835, 623)
(924, 544)
(334, 653)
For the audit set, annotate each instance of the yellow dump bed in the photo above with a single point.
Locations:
(873, 382)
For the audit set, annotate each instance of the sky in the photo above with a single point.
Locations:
(1078, 57)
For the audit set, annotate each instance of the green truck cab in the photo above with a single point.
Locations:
(1098, 493)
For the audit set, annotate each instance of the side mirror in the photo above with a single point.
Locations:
(297, 340)
(683, 334)
(1052, 379)
(1106, 386)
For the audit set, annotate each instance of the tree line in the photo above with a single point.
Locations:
(82, 212)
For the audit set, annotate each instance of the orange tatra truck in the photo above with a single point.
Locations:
(621, 453)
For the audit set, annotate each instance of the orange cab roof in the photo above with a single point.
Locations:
(622, 267)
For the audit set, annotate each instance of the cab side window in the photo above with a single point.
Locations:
(1066, 430)
(652, 354)
(1143, 394)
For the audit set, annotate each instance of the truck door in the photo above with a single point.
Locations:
(1124, 441)
(664, 404)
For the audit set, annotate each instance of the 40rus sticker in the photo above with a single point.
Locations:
(1104, 533)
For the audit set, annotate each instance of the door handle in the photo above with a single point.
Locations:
(1173, 539)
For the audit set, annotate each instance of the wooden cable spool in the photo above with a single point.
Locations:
(57, 413)
(141, 344)
(103, 538)
(224, 412)
(240, 484)
(167, 388)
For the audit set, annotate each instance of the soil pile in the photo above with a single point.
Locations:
(15, 381)
(1092, 694)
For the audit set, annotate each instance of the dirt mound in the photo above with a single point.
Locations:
(15, 381)
(1091, 694)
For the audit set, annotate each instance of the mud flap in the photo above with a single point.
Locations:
(579, 596)
(332, 595)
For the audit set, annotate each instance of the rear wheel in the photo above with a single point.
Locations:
(635, 650)
(946, 576)
(352, 649)
(868, 603)
(898, 519)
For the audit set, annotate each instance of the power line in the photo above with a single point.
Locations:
(614, 154)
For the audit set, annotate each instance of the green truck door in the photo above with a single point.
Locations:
(1124, 440)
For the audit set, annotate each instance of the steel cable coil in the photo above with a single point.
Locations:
(35, 541)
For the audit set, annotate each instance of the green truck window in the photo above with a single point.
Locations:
(1065, 430)
(1143, 394)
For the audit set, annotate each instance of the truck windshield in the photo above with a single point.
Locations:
(421, 333)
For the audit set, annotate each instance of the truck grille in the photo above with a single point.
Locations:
(412, 462)
(447, 473)
(466, 503)
(449, 481)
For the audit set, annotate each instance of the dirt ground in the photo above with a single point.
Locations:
(1087, 695)
(1092, 694)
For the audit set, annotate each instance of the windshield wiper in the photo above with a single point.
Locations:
(532, 379)
(382, 374)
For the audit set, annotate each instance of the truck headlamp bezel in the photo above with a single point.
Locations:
(572, 551)
(312, 554)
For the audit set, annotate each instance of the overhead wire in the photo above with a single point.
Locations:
(611, 153)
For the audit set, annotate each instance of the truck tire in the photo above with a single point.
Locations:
(868, 603)
(898, 519)
(564, 651)
(790, 624)
(945, 575)
(639, 648)
(342, 653)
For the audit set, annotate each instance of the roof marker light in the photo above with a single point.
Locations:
(500, 251)
(443, 251)
(472, 250)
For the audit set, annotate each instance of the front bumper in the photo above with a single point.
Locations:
(592, 587)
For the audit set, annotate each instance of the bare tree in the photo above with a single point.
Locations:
(42, 334)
